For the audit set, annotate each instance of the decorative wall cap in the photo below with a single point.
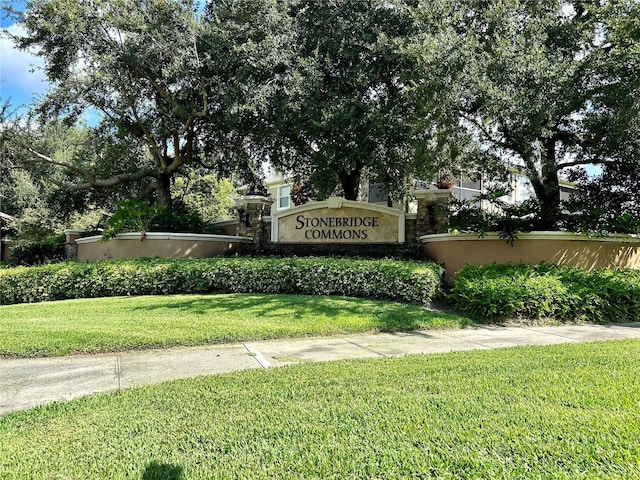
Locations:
(334, 202)
(572, 236)
(242, 201)
(428, 191)
(432, 195)
(429, 195)
(443, 192)
(71, 231)
(222, 223)
(338, 202)
(194, 237)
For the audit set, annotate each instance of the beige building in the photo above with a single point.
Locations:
(279, 188)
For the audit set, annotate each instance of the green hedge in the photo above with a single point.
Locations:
(563, 293)
(405, 281)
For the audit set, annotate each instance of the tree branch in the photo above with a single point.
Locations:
(568, 138)
(91, 181)
(585, 161)
(41, 158)
(483, 129)
(107, 182)
(151, 141)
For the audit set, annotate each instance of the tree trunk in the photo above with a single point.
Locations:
(163, 189)
(547, 189)
(549, 207)
(350, 183)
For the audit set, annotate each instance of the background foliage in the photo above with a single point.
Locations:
(48, 250)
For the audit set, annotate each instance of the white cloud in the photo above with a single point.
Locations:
(20, 76)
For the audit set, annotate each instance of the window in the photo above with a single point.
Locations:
(467, 189)
(284, 199)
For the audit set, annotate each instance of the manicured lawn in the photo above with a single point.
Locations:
(569, 411)
(112, 324)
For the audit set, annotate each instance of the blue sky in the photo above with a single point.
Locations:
(20, 81)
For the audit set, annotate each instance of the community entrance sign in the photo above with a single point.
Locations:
(337, 220)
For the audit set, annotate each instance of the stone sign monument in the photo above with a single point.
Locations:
(337, 220)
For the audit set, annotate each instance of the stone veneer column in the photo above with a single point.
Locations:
(251, 210)
(433, 211)
(70, 246)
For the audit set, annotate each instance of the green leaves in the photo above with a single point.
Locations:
(49, 250)
(537, 84)
(416, 282)
(609, 203)
(133, 63)
(343, 111)
(548, 291)
(132, 215)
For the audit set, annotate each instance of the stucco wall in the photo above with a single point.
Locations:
(157, 244)
(456, 251)
(229, 227)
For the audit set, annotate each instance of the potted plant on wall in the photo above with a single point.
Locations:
(132, 215)
(445, 181)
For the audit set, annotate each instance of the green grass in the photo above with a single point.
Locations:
(570, 411)
(114, 324)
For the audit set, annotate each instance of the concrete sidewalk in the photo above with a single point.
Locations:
(26, 383)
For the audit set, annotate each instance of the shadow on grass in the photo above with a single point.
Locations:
(162, 471)
(387, 315)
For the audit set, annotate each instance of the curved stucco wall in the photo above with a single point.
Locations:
(561, 248)
(229, 227)
(157, 244)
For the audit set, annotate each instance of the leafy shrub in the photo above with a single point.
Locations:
(131, 216)
(50, 250)
(490, 213)
(181, 218)
(559, 292)
(141, 216)
(396, 280)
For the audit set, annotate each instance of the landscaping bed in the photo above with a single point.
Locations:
(499, 292)
(488, 293)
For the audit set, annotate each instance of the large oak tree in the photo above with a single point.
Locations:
(136, 64)
(342, 109)
(544, 85)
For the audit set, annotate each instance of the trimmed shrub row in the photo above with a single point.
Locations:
(406, 281)
(548, 291)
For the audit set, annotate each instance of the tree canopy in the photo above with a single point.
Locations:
(544, 85)
(333, 91)
(342, 110)
(165, 81)
(135, 63)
